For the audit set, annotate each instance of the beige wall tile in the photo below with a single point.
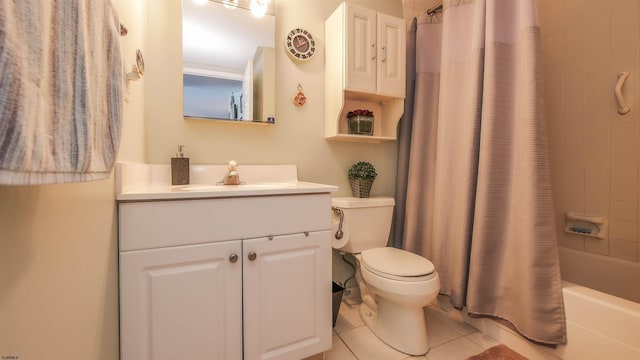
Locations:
(624, 210)
(575, 42)
(596, 245)
(627, 58)
(598, 89)
(552, 23)
(572, 241)
(551, 13)
(597, 146)
(624, 249)
(574, 90)
(624, 30)
(560, 225)
(622, 230)
(597, 33)
(628, 151)
(597, 186)
(551, 7)
(574, 12)
(624, 138)
(624, 180)
(553, 49)
(553, 91)
(574, 187)
(594, 150)
(597, 206)
(574, 142)
(597, 7)
(617, 4)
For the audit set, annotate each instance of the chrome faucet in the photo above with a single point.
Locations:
(231, 177)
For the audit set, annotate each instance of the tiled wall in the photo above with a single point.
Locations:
(594, 150)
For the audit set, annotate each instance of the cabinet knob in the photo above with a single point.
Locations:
(252, 256)
(233, 258)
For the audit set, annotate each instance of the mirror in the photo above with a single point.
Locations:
(228, 59)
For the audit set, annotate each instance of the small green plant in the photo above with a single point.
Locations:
(362, 170)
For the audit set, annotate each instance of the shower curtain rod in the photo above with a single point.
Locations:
(435, 9)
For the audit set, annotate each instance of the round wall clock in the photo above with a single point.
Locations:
(300, 45)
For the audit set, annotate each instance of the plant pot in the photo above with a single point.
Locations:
(361, 188)
(361, 125)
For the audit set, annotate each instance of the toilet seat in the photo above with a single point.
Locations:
(397, 264)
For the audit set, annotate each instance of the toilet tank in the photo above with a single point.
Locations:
(367, 221)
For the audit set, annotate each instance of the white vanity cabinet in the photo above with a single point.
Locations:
(225, 278)
(285, 293)
(181, 302)
(366, 62)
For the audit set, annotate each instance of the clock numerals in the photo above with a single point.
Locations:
(300, 44)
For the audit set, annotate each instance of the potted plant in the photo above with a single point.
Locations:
(360, 122)
(361, 176)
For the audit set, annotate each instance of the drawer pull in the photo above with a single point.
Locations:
(233, 258)
(252, 256)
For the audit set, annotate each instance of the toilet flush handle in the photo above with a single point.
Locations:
(339, 234)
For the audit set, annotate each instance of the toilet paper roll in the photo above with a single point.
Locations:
(335, 243)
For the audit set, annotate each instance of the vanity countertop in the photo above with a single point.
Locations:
(145, 182)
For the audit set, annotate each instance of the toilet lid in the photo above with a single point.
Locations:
(392, 261)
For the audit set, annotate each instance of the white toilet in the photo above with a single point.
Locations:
(395, 285)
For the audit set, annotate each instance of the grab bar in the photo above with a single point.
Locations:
(623, 108)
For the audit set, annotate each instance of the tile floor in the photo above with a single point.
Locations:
(450, 338)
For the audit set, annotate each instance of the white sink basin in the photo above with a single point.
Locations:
(261, 186)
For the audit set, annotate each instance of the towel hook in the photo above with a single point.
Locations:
(623, 108)
(138, 68)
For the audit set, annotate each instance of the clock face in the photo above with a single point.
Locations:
(300, 45)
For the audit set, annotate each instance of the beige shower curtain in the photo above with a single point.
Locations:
(474, 192)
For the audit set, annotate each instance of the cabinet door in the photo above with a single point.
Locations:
(181, 303)
(391, 56)
(361, 50)
(287, 296)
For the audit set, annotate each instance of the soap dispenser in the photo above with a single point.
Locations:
(180, 168)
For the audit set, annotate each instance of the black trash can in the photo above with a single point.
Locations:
(337, 299)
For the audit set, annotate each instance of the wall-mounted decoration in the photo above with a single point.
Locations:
(300, 44)
(300, 99)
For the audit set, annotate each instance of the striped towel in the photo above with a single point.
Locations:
(61, 90)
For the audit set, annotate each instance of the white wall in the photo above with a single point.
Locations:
(58, 248)
(298, 135)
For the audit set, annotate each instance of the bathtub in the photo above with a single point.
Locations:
(599, 326)
(610, 275)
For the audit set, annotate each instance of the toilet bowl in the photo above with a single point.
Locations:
(395, 285)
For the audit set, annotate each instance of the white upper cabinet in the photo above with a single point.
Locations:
(391, 35)
(360, 74)
(375, 47)
(365, 69)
